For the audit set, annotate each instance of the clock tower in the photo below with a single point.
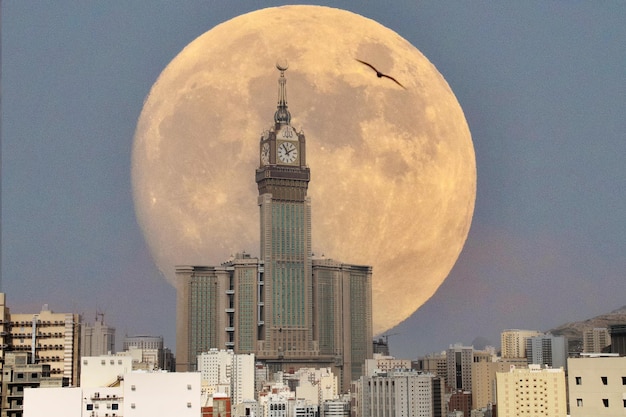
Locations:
(285, 219)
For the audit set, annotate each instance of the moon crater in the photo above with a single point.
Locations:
(393, 176)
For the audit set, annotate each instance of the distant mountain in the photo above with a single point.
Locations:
(574, 330)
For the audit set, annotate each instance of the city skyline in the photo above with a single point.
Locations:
(542, 88)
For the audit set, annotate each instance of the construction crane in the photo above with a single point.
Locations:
(386, 337)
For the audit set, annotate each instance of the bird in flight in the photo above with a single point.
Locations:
(380, 74)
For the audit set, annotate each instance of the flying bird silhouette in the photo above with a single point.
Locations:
(380, 74)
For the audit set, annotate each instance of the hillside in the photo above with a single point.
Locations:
(574, 330)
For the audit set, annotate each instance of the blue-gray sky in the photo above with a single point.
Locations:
(542, 85)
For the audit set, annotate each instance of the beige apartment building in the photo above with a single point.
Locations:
(597, 385)
(51, 339)
(596, 339)
(484, 379)
(531, 392)
(513, 342)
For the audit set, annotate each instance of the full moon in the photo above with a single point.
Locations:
(393, 172)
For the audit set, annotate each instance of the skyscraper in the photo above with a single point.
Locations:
(286, 307)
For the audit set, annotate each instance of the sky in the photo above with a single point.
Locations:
(542, 85)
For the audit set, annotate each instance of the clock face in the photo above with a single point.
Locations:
(265, 154)
(287, 152)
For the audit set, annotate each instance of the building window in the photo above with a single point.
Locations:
(604, 380)
(89, 407)
(624, 380)
(579, 380)
(85, 362)
(132, 387)
(579, 402)
(605, 401)
(624, 403)
(132, 405)
(114, 406)
(188, 405)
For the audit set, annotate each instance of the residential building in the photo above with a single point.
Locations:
(148, 353)
(513, 342)
(221, 406)
(434, 363)
(51, 338)
(461, 401)
(335, 408)
(382, 363)
(459, 361)
(138, 394)
(230, 371)
(404, 393)
(597, 385)
(289, 309)
(531, 392)
(596, 340)
(104, 370)
(484, 379)
(19, 374)
(547, 350)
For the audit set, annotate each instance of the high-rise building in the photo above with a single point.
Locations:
(531, 392)
(513, 342)
(547, 350)
(434, 363)
(596, 339)
(51, 338)
(229, 373)
(398, 393)
(459, 361)
(286, 307)
(97, 338)
(618, 338)
(596, 385)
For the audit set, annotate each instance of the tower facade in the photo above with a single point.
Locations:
(290, 310)
(285, 221)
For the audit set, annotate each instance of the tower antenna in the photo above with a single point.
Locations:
(282, 115)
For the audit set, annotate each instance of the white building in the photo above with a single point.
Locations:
(597, 385)
(224, 369)
(276, 400)
(148, 394)
(142, 394)
(399, 393)
(531, 392)
(335, 408)
(314, 385)
(104, 371)
(381, 363)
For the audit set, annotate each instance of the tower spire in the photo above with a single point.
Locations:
(282, 115)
